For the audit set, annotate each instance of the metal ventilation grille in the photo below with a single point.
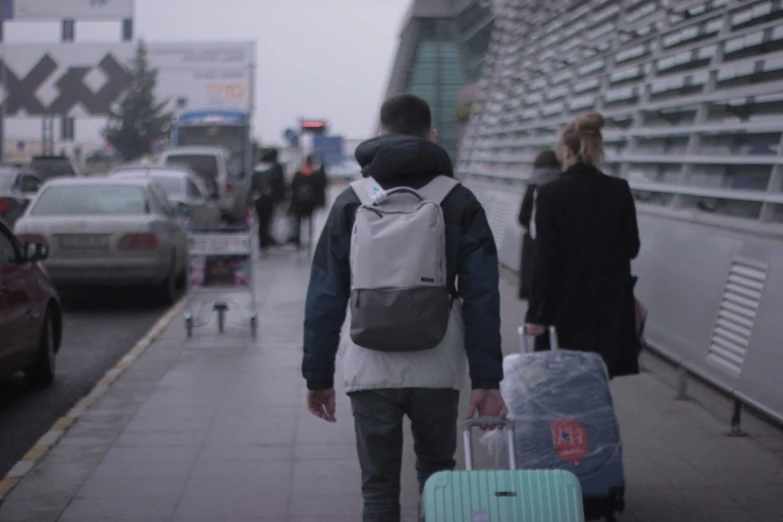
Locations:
(737, 313)
(499, 218)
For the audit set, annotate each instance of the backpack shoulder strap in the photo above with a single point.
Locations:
(365, 188)
(437, 189)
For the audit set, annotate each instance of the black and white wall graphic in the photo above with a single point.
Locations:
(71, 83)
(87, 79)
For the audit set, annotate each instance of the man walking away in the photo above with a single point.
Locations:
(308, 192)
(408, 348)
(268, 188)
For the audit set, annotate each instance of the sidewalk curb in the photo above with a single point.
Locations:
(60, 427)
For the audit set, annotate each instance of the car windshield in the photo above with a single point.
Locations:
(7, 177)
(52, 167)
(91, 200)
(171, 183)
(205, 165)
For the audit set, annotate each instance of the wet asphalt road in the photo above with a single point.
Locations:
(99, 328)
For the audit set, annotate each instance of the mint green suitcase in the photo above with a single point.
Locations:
(501, 496)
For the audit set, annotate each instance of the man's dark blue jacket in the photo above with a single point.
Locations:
(472, 261)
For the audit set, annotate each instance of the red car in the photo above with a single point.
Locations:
(30, 313)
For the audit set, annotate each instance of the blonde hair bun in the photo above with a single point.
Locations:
(590, 122)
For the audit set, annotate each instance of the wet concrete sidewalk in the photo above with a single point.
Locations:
(215, 429)
(207, 429)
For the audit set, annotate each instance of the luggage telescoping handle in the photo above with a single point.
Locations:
(524, 347)
(508, 428)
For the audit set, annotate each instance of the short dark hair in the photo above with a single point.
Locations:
(269, 154)
(546, 158)
(406, 114)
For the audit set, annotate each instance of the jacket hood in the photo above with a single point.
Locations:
(398, 156)
(544, 175)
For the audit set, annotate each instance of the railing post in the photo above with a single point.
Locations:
(736, 420)
(682, 383)
(644, 353)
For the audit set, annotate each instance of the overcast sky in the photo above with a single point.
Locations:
(316, 58)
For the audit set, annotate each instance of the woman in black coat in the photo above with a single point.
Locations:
(546, 168)
(586, 238)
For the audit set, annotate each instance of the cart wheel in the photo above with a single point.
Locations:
(221, 320)
(189, 326)
(253, 327)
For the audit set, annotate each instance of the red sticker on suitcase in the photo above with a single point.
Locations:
(570, 440)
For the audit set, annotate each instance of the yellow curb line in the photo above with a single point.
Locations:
(36, 452)
(58, 429)
(7, 485)
(63, 423)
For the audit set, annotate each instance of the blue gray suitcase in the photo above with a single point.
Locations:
(565, 419)
(499, 496)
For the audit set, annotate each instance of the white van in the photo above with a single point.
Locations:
(215, 168)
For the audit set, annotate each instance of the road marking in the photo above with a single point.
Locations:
(59, 428)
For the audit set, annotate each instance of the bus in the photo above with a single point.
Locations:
(217, 128)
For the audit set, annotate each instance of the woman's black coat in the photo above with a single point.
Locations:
(587, 236)
(528, 243)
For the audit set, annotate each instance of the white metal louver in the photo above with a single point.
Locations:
(499, 217)
(736, 315)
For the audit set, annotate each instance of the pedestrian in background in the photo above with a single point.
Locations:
(268, 189)
(586, 237)
(546, 168)
(308, 193)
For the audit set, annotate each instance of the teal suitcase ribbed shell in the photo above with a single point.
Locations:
(503, 496)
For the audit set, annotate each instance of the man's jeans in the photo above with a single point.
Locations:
(378, 416)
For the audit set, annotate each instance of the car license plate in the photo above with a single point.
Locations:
(86, 241)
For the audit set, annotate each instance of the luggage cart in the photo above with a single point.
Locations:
(220, 260)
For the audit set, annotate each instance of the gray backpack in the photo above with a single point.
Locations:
(399, 298)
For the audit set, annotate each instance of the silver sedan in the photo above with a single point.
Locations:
(183, 188)
(108, 231)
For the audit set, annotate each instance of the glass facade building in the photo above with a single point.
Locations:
(442, 48)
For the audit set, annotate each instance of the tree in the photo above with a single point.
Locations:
(140, 119)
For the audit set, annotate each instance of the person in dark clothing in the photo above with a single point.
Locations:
(384, 387)
(308, 193)
(268, 189)
(587, 236)
(323, 181)
(546, 168)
